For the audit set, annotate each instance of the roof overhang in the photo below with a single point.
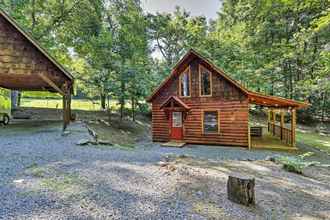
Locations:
(168, 104)
(36, 44)
(274, 101)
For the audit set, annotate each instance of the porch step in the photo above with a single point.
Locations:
(173, 144)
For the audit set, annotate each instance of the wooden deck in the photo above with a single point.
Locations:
(270, 142)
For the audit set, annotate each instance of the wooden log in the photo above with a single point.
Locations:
(241, 190)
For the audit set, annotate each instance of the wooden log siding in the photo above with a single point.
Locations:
(229, 100)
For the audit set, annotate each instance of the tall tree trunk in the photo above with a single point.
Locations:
(323, 106)
(122, 99)
(109, 109)
(103, 100)
(19, 98)
(133, 108)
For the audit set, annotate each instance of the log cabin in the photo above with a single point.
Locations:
(26, 66)
(199, 103)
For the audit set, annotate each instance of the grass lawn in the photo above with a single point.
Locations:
(314, 140)
(77, 104)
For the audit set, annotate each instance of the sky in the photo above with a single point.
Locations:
(207, 8)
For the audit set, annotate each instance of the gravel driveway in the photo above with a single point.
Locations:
(46, 176)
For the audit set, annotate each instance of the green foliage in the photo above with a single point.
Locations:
(275, 47)
(5, 104)
(296, 164)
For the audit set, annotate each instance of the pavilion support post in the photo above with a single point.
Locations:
(273, 121)
(269, 119)
(66, 110)
(293, 127)
(282, 123)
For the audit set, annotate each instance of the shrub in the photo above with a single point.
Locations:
(296, 164)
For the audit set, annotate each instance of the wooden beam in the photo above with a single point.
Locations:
(51, 83)
(293, 127)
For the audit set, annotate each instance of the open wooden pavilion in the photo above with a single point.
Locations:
(286, 135)
(26, 66)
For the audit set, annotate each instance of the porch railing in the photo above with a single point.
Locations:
(284, 134)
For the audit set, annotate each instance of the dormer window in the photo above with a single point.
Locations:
(205, 81)
(185, 82)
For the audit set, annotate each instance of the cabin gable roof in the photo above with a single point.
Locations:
(188, 57)
(253, 97)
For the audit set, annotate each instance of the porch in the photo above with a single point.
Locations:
(279, 133)
(268, 141)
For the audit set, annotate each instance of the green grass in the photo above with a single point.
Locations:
(314, 140)
(76, 104)
(64, 184)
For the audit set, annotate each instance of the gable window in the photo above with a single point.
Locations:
(205, 81)
(184, 85)
(210, 122)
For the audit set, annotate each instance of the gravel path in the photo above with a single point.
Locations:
(46, 176)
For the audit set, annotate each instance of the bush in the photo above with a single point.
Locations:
(296, 164)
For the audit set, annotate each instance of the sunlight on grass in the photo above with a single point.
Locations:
(315, 140)
(77, 104)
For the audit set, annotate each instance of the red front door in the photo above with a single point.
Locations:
(176, 126)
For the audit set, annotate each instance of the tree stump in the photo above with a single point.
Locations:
(241, 190)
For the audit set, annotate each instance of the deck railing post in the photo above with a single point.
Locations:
(282, 123)
(293, 127)
(273, 121)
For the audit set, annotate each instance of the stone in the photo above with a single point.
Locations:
(83, 142)
(241, 190)
(65, 133)
(162, 164)
(104, 142)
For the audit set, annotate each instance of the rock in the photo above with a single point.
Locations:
(162, 164)
(65, 133)
(241, 190)
(270, 158)
(83, 142)
(171, 168)
(104, 142)
(19, 181)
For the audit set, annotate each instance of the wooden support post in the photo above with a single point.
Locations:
(273, 121)
(249, 137)
(249, 132)
(293, 127)
(282, 123)
(269, 118)
(66, 110)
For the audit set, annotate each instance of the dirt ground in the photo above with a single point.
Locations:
(279, 194)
